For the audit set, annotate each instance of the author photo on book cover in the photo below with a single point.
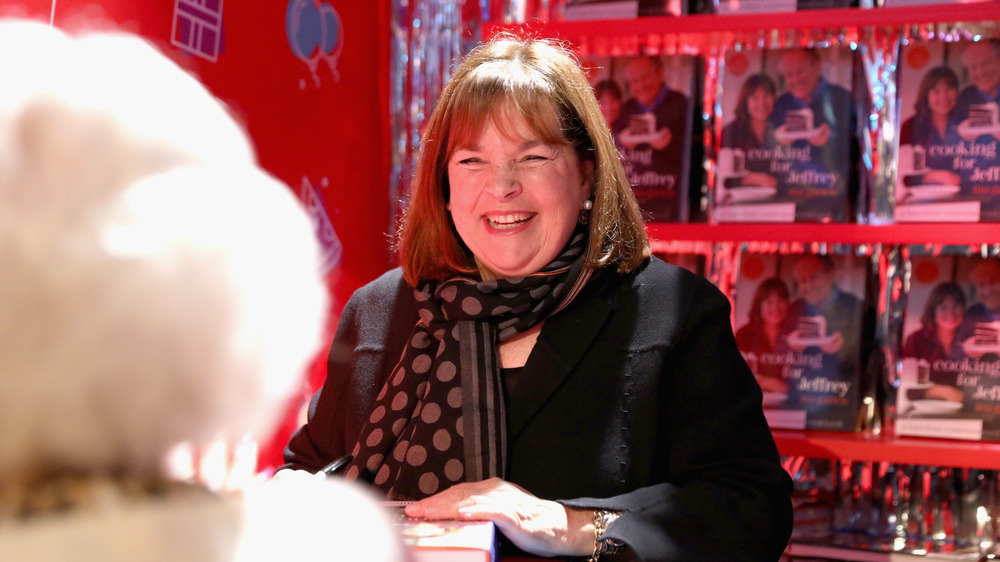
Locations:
(751, 167)
(937, 343)
(978, 101)
(949, 167)
(948, 373)
(530, 363)
(930, 131)
(816, 118)
(982, 318)
(751, 132)
(790, 125)
(609, 98)
(766, 333)
(820, 295)
(653, 131)
(831, 319)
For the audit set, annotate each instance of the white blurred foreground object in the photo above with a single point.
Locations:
(290, 519)
(159, 290)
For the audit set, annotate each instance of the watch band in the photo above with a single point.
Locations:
(602, 546)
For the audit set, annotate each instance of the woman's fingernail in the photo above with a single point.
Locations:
(413, 510)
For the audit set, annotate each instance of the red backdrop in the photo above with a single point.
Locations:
(309, 80)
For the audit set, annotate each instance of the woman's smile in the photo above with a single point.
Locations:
(509, 221)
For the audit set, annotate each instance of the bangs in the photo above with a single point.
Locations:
(504, 93)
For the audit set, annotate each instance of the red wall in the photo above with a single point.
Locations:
(331, 130)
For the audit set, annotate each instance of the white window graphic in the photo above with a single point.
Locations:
(197, 27)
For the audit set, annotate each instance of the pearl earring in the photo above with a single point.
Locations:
(585, 212)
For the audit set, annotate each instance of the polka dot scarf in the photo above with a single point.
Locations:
(440, 419)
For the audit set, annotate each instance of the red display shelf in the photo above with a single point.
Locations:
(896, 234)
(902, 450)
(709, 23)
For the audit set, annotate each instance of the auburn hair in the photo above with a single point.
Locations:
(503, 80)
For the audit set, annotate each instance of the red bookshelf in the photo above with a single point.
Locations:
(843, 233)
(902, 450)
(712, 23)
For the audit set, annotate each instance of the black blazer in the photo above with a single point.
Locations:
(635, 398)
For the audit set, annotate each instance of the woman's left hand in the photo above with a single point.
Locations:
(945, 392)
(942, 177)
(537, 526)
(771, 384)
(760, 179)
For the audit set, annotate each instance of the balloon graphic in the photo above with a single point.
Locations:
(304, 27)
(315, 33)
(331, 23)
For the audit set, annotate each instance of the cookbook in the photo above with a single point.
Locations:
(799, 324)
(789, 127)
(648, 103)
(949, 379)
(449, 540)
(949, 133)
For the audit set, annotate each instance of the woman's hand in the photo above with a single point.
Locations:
(942, 177)
(537, 526)
(771, 384)
(760, 179)
(945, 392)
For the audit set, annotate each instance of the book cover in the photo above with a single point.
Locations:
(761, 6)
(949, 132)
(799, 323)
(648, 102)
(449, 541)
(949, 380)
(600, 9)
(891, 3)
(621, 9)
(789, 127)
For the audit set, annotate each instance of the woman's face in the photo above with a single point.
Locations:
(948, 314)
(760, 104)
(610, 107)
(773, 309)
(514, 199)
(941, 98)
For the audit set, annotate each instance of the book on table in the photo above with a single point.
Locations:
(449, 540)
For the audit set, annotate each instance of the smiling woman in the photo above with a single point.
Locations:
(530, 364)
(515, 200)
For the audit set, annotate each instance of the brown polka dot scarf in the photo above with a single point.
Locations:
(440, 419)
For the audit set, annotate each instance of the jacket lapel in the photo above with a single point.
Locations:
(564, 340)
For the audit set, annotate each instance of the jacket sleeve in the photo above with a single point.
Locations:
(722, 492)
